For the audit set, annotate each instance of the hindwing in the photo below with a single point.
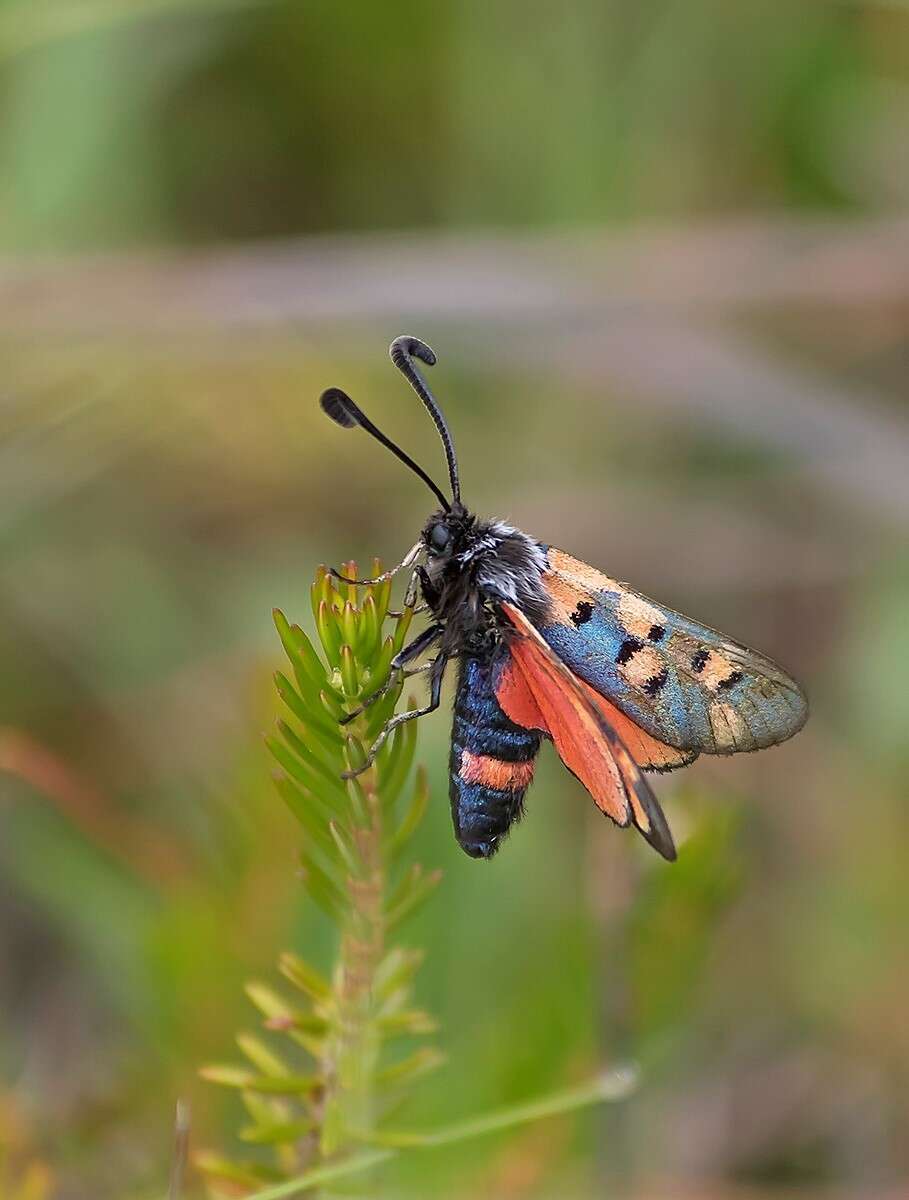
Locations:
(537, 691)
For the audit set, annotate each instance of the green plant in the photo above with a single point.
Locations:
(338, 1069)
(339, 1051)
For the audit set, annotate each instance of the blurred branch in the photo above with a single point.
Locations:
(31, 23)
(845, 438)
(590, 276)
(181, 1151)
(636, 308)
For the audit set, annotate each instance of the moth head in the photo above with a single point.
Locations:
(440, 539)
(446, 533)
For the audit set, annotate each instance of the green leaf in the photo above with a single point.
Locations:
(394, 772)
(409, 1069)
(396, 971)
(312, 813)
(266, 999)
(350, 625)
(328, 772)
(309, 714)
(308, 657)
(354, 753)
(267, 1110)
(347, 851)
(304, 976)
(381, 712)
(325, 745)
(325, 893)
(359, 803)
(329, 633)
(245, 1174)
(226, 1076)
(412, 1022)
(300, 650)
(243, 1079)
(349, 672)
(412, 818)
(370, 629)
(401, 628)
(332, 705)
(414, 890)
(260, 1055)
(312, 778)
(382, 595)
(303, 1028)
(277, 1132)
(380, 668)
(307, 1023)
(286, 1085)
(282, 1016)
(322, 590)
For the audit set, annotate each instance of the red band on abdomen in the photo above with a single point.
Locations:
(495, 772)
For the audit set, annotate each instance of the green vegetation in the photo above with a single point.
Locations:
(712, 413)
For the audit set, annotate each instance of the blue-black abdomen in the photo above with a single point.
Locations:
(492, 760)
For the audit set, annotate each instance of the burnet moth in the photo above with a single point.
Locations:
(547, 646)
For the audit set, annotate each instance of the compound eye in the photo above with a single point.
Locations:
(439, 538)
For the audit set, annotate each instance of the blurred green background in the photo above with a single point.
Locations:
(662, 252)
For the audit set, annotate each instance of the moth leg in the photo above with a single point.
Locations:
(410, 596)
(386, 687)
(437, 671)
(396, 671)
(407, 561)
(394, 613)
(415, 648)
(430, 593)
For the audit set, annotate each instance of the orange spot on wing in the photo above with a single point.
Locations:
(579, 574)
(642, 665)
(564, 598)
(715, 670)
(569, 582)
(495, 772)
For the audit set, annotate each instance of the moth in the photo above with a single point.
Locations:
(549, 647)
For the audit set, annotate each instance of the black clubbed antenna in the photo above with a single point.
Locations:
(402, 351)
(342, 410)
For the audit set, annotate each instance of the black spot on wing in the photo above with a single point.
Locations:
(699, 661)
(582, 613)
(730, 681)
(657, 633)
(656, 683)
(628, 650)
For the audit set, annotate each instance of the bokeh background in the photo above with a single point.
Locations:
(662, 251)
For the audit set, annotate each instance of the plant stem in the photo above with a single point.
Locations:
(612, 1086)
(352, 1054)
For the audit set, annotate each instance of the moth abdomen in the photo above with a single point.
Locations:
(492, 761)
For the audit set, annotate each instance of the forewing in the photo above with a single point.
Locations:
(537, 691)
(686, 685)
